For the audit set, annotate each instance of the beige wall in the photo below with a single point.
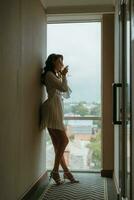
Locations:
(80, 9)
(22, 52)
(108, 78)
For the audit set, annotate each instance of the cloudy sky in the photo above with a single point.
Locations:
(80, 44)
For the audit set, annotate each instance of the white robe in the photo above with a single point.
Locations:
(52, 114)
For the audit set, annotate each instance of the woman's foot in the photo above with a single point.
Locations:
(56, 177)
(69, 176)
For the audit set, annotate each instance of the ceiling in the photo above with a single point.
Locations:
(61, 3)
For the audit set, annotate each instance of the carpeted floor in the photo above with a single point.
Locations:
(91, 187)
(112, 195)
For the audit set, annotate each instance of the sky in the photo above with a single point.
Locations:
(80, 44)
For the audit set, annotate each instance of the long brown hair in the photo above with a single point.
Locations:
(49, 64)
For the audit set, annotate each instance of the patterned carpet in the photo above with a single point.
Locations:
(91, 187)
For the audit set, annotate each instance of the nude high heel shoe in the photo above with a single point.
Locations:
(70, 177)
(56, 177)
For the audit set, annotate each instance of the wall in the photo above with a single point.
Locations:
(108, 78)
(80, 9)
(22, 53)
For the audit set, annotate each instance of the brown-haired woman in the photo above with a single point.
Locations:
(54, 78)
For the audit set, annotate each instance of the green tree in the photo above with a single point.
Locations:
(95, 147)
(96, 110)
(80, 109)
(67, 108)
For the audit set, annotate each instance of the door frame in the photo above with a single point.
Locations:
(126, 191)
(132, 93)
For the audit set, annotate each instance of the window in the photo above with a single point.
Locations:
(80, 44)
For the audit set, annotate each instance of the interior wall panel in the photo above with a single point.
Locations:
(22, 53)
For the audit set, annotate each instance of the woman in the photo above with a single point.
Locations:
(54, 78)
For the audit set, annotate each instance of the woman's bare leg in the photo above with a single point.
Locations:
(56, 142)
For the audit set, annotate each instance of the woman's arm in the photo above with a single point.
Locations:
(56, 83)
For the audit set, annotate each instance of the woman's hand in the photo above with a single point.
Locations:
(64, 71)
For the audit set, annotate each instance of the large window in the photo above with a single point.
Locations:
(80, 44)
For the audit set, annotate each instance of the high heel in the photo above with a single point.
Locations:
(56, 177)
(69, 176)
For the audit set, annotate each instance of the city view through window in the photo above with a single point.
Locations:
(80, 44)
